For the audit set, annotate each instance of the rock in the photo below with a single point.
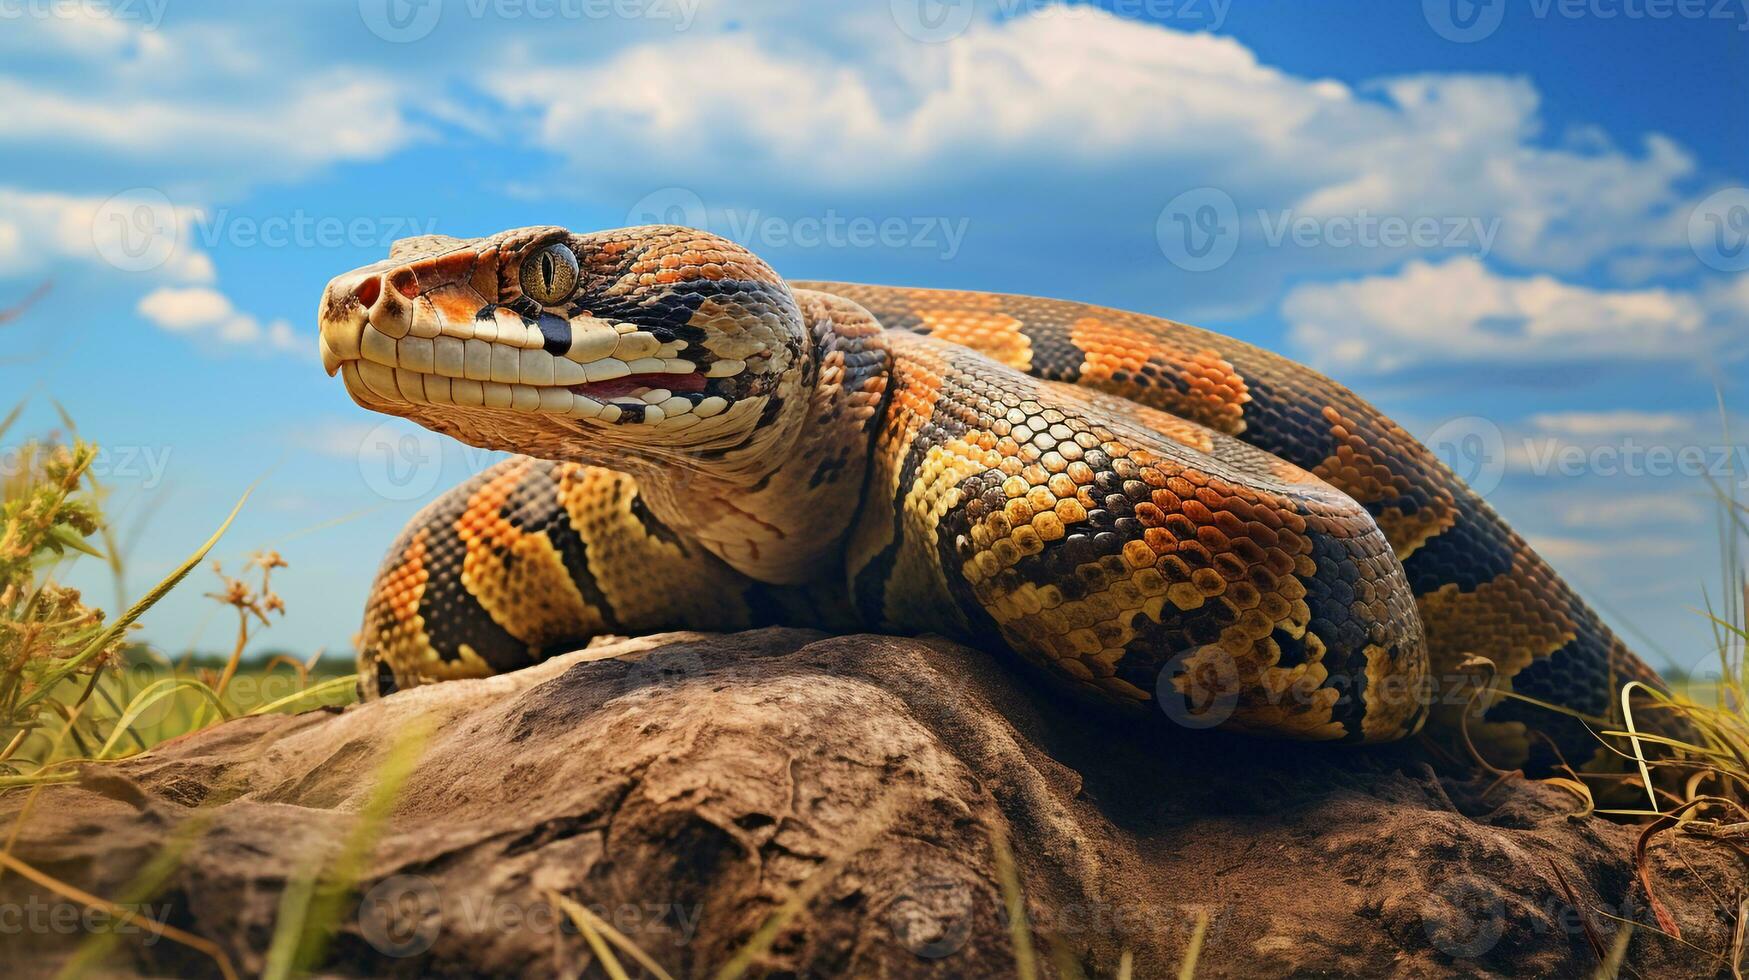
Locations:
(686, 786)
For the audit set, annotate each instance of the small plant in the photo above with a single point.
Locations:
(48, 634)
(72, 686)
(252, 607)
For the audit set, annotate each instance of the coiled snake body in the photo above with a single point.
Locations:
(1148, 511)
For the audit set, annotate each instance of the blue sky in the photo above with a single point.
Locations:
(1517, 227)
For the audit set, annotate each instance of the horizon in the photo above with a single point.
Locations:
(1523, 236)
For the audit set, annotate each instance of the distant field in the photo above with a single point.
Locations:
(146, 699)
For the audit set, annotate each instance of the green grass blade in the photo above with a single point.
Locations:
(117, 628)
(151, 694)
(344, 682)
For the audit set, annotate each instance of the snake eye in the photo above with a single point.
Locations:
(549, 275)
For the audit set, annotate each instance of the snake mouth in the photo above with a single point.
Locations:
(434, 332)
(641, 385)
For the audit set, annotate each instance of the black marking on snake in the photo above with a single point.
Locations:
(1465, 555)
(1348, 678)
(1055, 356)
(1576, 675)
(385, 679)
(536, 507)
(1293, 648)
(869, 588)
(653, 525)
(555, 334)
(453, 615)
(1272, 426)
(769, 412)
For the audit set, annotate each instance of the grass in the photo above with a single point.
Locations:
(75, 688)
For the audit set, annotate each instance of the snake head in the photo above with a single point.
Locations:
(658, 339)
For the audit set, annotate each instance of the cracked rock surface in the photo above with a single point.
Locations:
(687, 787)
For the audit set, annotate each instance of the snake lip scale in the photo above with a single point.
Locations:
(1152, 515)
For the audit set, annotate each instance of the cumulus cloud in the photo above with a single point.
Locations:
(210, 313)
(1621, 422)
(201, 107)
(338, 116)
(1571, 551)
(1615, 511)
(1067, 98)
(1460, 310)
(144, 233)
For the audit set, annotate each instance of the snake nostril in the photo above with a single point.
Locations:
(368, 290)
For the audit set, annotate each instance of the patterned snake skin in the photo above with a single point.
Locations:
(1148, 512)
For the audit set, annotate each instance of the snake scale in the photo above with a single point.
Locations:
(1149, 513)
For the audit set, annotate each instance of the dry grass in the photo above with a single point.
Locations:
(74, 690)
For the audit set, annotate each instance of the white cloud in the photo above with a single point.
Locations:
(1062, 98)
(1460, 311)
(1616, 511)
(1624, 422)
(145, 234)
(86, 30)
(208, 312)
(336, 116)
(203, 107)
(1569, 551)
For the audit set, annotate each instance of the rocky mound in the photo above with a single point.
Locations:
(686, 787)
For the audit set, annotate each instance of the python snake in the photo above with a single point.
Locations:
(1151, 513)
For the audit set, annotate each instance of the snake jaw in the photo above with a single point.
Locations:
(443, 333)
